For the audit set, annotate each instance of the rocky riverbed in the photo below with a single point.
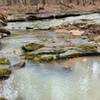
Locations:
(48, 52)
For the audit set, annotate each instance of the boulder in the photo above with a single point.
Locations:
(32, 47)
(48, 54)
(4, 73)
(5, 31)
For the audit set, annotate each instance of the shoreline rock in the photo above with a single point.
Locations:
(4, 68)
(46, 15)
(2, 98)
(19, 65)
(32, 47)
(4, 61)
(52, 54)
(4, 33)
(4, 73)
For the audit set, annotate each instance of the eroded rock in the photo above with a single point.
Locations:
(2, 98)
(4, 72)
(47, 54)
(32, 47)
(88, 47)
(19, 65)
(4, 33)
(4, 61)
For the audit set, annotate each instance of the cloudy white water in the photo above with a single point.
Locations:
(43, 82)
(50, 81)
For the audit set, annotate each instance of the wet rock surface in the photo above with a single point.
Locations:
(52, 54)
(1, 98)
(64, 41)
(4, 68)
(4, 73)
(32, 47)
(63, 46)
(44, 16)
(4, 61)
(19, 65)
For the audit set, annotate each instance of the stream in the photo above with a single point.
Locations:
(48, 81)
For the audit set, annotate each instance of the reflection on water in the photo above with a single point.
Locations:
(44, 82)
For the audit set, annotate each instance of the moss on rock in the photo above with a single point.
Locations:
(44, 58)
(2, 98)
(28, 55)
(87, 47)
(4, 72)
(4, 61)
(39, 58)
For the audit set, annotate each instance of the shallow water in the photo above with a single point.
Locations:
(43, 81)
(51, 82)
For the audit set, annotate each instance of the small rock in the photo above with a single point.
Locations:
(67, 68)
(2, 98)
(19, 65)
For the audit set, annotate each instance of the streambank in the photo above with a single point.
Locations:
(46, 15)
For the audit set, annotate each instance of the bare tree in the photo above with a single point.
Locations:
(78, 2)
(70, 1)
(92, 2)
(84, 2)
